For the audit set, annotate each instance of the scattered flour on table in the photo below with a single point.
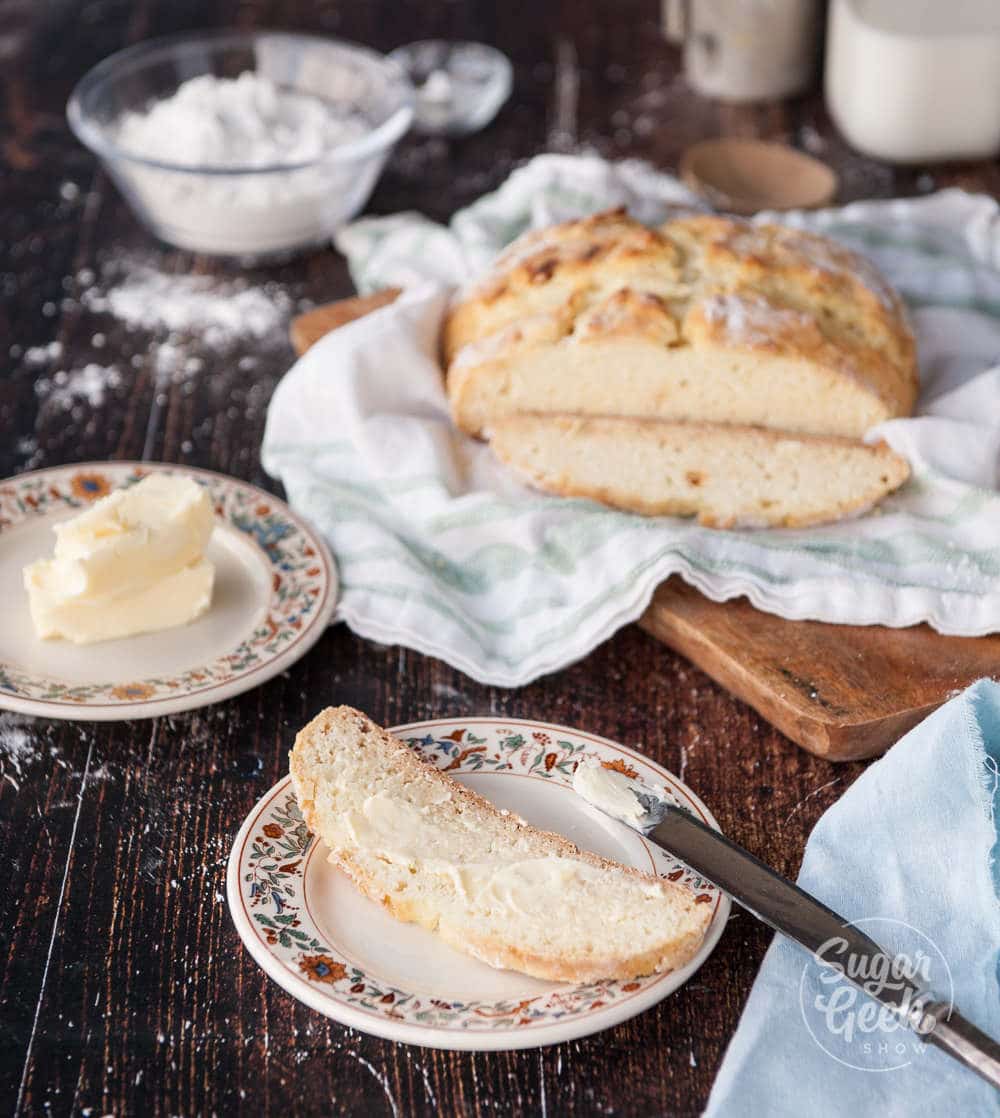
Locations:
(233, 331)
(220, 315)
(18, 750)
(219, 312)
(43, 354)
(65, 387)
(21, 748)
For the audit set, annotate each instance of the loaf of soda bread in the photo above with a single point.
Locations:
(706, 319)
(739, 338)
(436, 854)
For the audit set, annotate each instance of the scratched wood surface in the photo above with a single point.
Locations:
(123, 987)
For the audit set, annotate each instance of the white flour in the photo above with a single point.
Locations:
(239, 124)
(65, 387)
(235, 122)
(237, 328)
(751, 320)
(17, 749)
(42, 354)
(218, 312)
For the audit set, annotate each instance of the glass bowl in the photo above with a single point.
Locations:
(247, 211)
(460, 87)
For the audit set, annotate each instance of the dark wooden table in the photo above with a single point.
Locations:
(124, 988)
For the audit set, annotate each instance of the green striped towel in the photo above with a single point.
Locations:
(441, 550)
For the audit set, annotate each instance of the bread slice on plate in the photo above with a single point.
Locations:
(726, 476)
(437, 854)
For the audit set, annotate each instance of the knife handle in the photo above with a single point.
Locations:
(948, 1030)
(790, 910)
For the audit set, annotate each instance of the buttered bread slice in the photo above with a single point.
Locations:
(727, 476)
(437, 854)
(706, 319)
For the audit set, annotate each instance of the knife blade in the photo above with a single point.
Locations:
(793, 912)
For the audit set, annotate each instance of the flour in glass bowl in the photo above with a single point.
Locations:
(226, 123)
(246, 126)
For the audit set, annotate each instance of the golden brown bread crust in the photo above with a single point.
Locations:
(707, 282)
(543, 269)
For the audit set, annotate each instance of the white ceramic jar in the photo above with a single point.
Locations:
(915, 81)
(746, 50)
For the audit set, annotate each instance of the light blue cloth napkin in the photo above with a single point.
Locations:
(911, 851)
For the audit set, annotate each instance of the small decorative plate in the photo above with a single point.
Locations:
(275, 589)
(344, 956)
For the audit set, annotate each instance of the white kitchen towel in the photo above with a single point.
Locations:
(441, 550)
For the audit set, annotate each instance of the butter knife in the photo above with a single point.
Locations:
(787, 909)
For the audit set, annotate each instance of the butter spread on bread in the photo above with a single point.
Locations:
(437, 854)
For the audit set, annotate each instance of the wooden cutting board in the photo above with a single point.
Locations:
(843, 692)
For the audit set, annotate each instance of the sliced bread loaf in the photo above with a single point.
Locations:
(727, 476)
(707, 319)
(436, 854)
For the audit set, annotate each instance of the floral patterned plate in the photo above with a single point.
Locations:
(275, 590)
(344, 956)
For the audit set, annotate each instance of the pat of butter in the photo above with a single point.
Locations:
(610, 791)
(174, 600)
(133, 563)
